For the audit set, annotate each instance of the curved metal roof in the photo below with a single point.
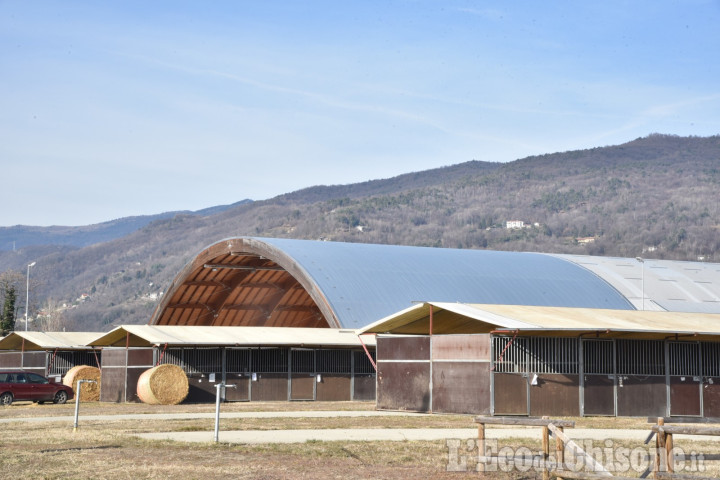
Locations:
(659, 285)
(304, 283)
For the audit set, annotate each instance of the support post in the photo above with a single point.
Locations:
(219, 387)
(77, 401)
(127, 360)
(430, 341)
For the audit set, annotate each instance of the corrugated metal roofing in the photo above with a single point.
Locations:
(364, 282)
(349, 285)
(478, 318)
(48, 340)
(229, 336)
(667, 284)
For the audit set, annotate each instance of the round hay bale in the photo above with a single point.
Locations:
(163, 385)
(89, 392)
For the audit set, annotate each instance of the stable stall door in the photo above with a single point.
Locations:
(685, 379)
(599, 378)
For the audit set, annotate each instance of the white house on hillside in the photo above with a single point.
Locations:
(514, 224)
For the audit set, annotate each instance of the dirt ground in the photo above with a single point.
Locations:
(108, 449)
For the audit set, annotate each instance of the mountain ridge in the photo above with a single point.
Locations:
(20, 236)
(655, 197)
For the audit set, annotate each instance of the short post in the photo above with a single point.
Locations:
(546, 450)
(559, 451)
(77, 401)
(219, 387)
(660, 456)
(481, 447)
(669, 454)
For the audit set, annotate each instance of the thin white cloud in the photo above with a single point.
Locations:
(487, 13)
(673, 108)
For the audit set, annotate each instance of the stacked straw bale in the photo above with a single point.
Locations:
(89, 392)
(163, 385)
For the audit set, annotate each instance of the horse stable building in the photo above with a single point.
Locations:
(50, 354)
(261, 363)
(527, 360)
(281, 287)
(272, 315)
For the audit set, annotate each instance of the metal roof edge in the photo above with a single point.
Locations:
(235, 335)
(472, 311)
(367, 328)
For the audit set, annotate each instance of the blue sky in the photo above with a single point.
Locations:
(113, 109)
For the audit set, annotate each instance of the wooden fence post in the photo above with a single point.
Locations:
(546, 449)
(546, 452)
(559, 451)
(597, 468)
(660, 448)
(669, 456)
(481, 447)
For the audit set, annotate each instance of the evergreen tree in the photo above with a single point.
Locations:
(7, 321)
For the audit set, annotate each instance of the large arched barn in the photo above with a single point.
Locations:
(303, 283)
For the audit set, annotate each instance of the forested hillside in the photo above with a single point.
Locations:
(655, 196)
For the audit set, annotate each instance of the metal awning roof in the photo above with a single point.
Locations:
(48, 340)
(172, 335)
(449, 318)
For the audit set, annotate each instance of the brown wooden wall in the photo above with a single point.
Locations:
(333, 387)
(461, 347)
(599, 398)
(10, 360)
(201, 389)
(555, 395)
(456, 377)
(121, 368)
(269, 387)
(403, 348)
(641, 396)
(461, 387)
(241, 391)
(711, 397)
(34, 361)
(457, 380)
(511, 394)
(685, 395)
(403, 386)
(364, 386)
(302, 386)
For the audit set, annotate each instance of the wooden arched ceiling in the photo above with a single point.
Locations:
(241, 282)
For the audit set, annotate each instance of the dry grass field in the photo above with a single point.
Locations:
(108, 449)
